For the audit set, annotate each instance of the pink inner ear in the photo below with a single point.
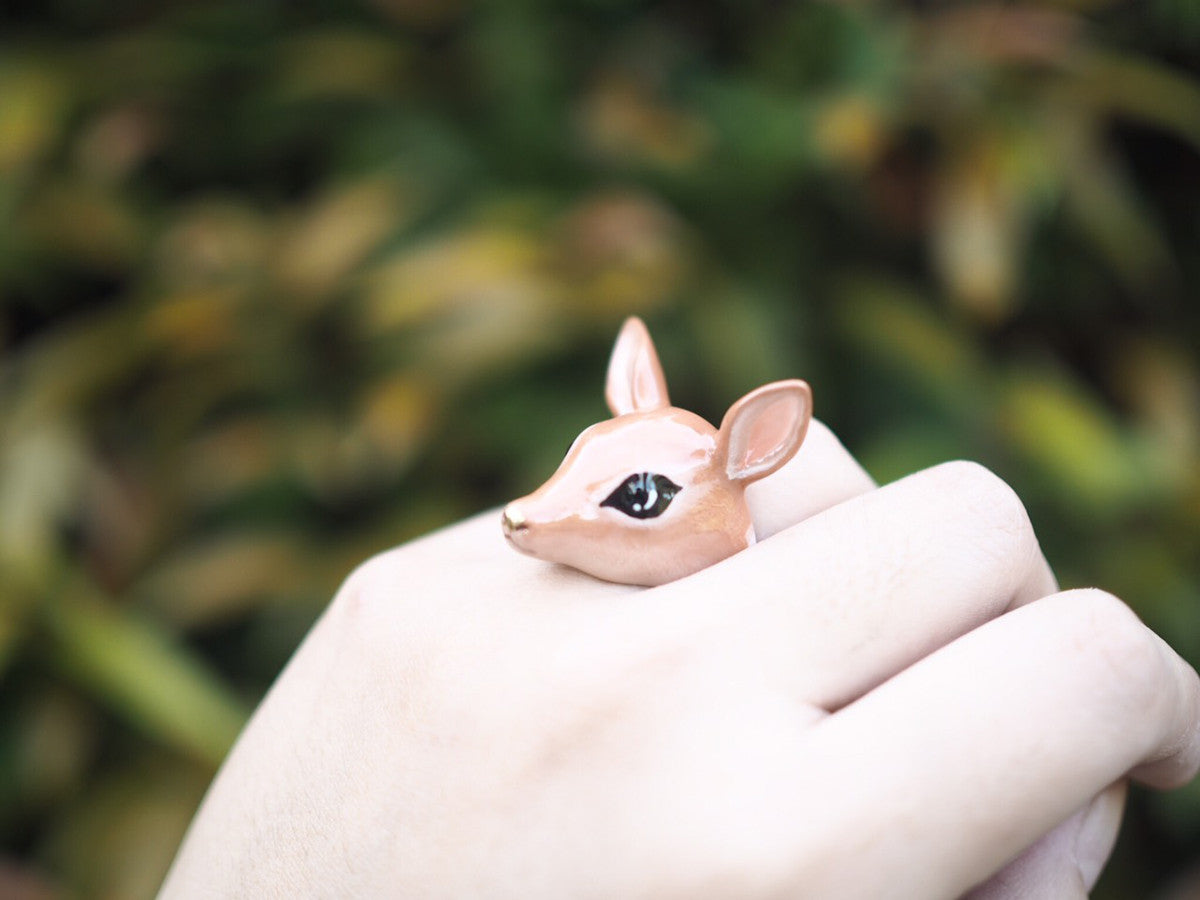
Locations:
(761, 440)
(635, 377)
(649, 392)
(764, 429)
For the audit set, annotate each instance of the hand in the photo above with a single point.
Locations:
(885, 699)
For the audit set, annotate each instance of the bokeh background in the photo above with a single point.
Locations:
(285, 284)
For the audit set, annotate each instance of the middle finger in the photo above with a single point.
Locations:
(846, 599)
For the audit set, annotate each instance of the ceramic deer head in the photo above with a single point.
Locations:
(656, 493)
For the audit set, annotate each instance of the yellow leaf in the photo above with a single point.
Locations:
(32, 104)
(218, 579)
(231, 458)
(86, 222)
(396, 415)
(893, 325)
(195, 321)
(619, 253)
(978, 231)
(331, 236)
(341, 63)
(42, 466)
(623, 121)
(851, 131)
(1074, 441)
(472, 268)
(213, 240)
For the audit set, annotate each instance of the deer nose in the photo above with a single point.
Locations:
(513, 520)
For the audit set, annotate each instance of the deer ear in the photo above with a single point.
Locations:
(764, 429)
(635, 378)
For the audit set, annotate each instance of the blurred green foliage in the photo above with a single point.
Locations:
(284, 284)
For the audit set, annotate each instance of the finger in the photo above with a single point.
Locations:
(966, 758)
(847, 598)
(1065, 863)
(821, 474)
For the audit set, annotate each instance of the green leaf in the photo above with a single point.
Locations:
(1075, 443)
(890, 324)
(138, 670)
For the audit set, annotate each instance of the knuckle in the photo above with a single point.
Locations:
(986, 493)
(993, 506)
(1115, 652)
(372, 608)
(352, 595)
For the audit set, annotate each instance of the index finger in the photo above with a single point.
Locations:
(822, 474)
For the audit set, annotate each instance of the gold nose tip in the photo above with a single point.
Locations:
(513, 519)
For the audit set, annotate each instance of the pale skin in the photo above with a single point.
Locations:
(886, 696)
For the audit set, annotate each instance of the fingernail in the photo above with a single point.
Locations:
(1098, 832)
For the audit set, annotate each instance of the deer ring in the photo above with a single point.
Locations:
(656, 492)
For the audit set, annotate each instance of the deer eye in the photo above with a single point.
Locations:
(643, 496)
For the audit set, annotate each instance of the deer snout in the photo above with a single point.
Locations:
(517, 527)
(513, 520)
